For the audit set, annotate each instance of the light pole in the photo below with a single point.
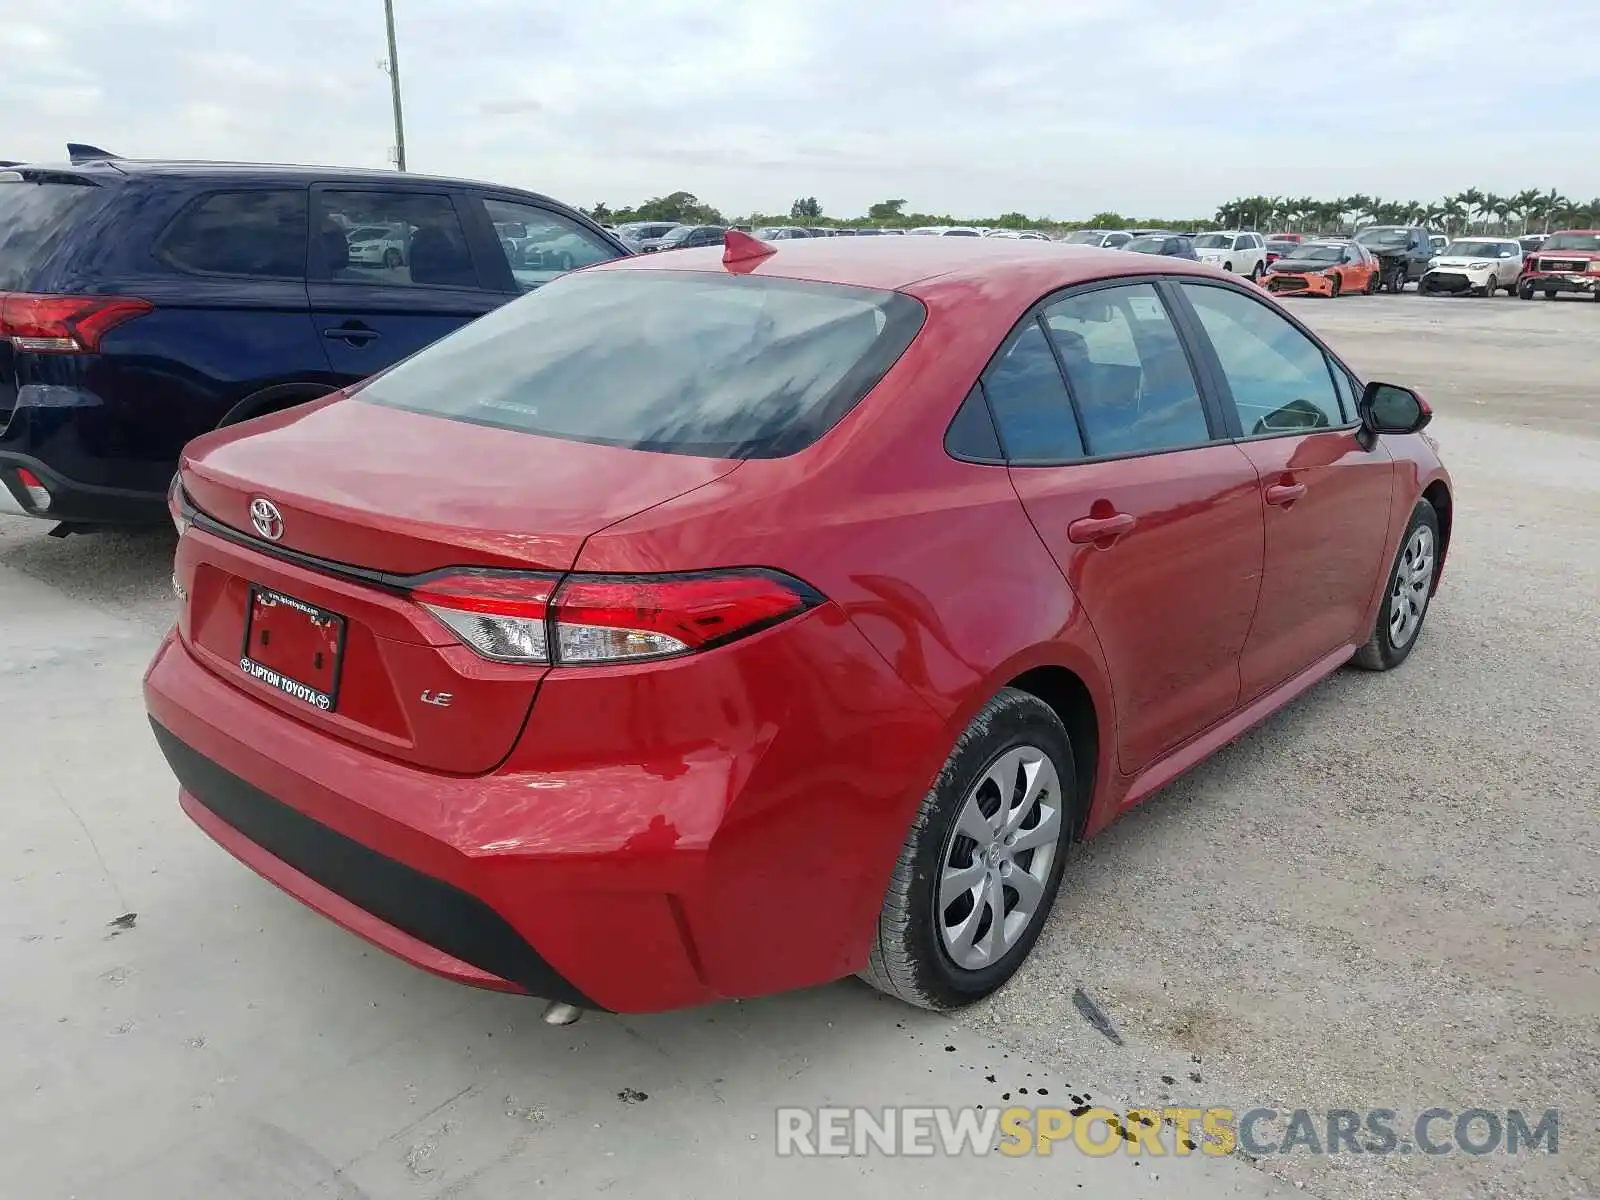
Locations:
(393, 69)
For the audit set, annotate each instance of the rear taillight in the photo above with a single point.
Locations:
(64, 324)
(534, 618)
(34, 486)
(175, 505)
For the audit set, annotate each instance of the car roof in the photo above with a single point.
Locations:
(898, 264)
(241, 172)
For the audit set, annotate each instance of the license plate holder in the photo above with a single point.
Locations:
(293, 647)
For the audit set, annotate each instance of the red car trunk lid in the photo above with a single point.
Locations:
(401, 492)
(385, 491)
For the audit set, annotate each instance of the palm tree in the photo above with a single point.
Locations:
(1502, 207)
(1433, 214)
(1524, 204)
(1471, 200)
(1553, 204)
(1455, 213)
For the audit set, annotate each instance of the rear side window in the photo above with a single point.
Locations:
(1030, 402)
(254, 233)
(724, 366)
(35, 218)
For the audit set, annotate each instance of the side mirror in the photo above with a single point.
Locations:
(1389, 408)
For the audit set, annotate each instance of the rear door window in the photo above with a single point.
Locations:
(35, 219)
(398, 238)
(1129, 374)
(539, 244)
(256, 233)
(723, 366)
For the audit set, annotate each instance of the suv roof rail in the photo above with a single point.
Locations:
(79, 152)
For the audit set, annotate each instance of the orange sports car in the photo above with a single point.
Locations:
(1324, 268)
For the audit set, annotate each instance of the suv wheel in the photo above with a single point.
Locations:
(982, 863)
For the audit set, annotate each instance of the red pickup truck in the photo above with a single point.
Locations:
(1566, 262)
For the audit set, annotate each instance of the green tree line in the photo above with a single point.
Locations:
(1469, 211)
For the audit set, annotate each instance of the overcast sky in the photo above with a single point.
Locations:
(1051, 107)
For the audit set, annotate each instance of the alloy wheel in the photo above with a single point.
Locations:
(1413, 580)
(997, 860)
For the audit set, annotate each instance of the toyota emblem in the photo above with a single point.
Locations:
(264, 515)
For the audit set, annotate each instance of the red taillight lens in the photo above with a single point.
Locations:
(607, 619)
(64, 324)
(600, 619)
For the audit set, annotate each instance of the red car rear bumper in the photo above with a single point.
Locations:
(662, 835)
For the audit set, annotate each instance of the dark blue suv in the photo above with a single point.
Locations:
(144, 303)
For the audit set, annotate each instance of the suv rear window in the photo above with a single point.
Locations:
(724, 366)
(34, 220)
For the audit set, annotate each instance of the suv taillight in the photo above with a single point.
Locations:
(538, 618)
(64, 324)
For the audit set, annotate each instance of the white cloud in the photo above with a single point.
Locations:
(1047, 106)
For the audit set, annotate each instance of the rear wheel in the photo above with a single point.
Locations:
(1405, 601)
(1337, 287)
(982, 862)
(391, 258)
(1257, 271)
(1524, 291)
(1372, 283)
(1549, 293)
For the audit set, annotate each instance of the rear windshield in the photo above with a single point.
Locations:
(34, 220)
(724, 366)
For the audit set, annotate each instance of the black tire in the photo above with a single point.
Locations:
(1490, 288)
(1260, 269)
(391, 258)
(1387, 648)
(1374, 282)
(909, 959)
(1336, 289)
(1524, 291)
(1424, 288)
(1549, 294)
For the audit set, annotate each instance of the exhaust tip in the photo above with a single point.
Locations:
(561, 1014)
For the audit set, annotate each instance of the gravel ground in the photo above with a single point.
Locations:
(1385, 897)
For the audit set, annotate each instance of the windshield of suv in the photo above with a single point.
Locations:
(724, 366)
(1479, 250)
(1214, 241)
(1147, 245)
(1572, 241)
(35, 218)
(1382, 237)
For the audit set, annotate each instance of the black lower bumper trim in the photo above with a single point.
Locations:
(80, 503)
(430, 910)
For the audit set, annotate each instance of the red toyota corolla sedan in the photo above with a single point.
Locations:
(715, 623)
